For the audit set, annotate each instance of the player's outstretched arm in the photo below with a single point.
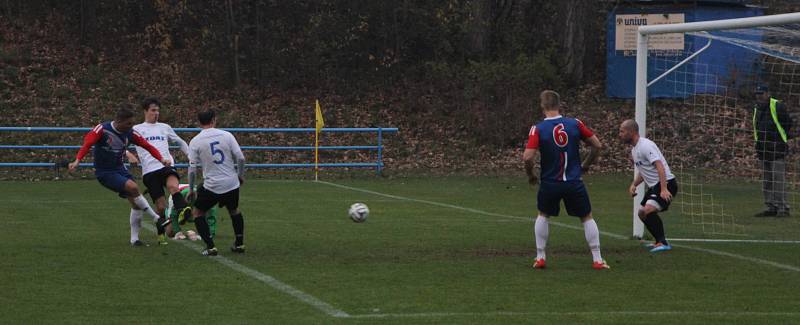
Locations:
(89, 140)
(595, 148)
(140, 141)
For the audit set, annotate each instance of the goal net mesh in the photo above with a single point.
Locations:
(702, 119)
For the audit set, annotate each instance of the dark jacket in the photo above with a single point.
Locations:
(770, 145)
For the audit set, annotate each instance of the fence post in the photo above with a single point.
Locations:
(380, 151)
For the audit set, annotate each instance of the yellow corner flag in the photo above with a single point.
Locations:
(319, 124)
(320, 121)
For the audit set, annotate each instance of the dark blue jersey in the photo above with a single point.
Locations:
(110, 146)
(558, 139)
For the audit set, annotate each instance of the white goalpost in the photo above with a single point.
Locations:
(712, 92)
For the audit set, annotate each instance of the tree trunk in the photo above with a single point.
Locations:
(480, 27)
(259, 48)
(234, 44)
(236, 60)
(575, 15)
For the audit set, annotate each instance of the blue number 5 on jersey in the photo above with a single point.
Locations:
(215, 151)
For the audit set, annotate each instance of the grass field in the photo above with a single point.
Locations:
(434, 250)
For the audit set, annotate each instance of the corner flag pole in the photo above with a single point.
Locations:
(319, 123)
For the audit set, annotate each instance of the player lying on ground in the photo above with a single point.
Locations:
(179, 220)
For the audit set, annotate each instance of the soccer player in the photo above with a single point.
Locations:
(557, 139)
(661, 184)
(178, 221)
(222, 160)
(155, 175)
(111, 141)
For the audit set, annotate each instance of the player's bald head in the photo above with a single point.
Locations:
(629, 132)
(630, 125)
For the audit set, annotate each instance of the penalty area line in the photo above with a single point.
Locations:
(587, 313)
(749, 241)
(608, 234)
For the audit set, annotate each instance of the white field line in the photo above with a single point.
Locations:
(588, 313)
(752, 241)
(271, 281)
(612, 235)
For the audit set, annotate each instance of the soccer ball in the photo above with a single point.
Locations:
(358, 212)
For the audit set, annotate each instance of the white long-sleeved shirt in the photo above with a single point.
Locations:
(159, 135)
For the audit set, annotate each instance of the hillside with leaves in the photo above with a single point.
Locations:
(459, 78)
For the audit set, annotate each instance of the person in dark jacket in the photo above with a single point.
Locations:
(771, 126)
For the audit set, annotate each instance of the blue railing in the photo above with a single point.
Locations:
(377, 164)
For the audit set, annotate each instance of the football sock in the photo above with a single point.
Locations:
(202, 228)
(136, 224)
(142, 204)
(238, 228)
(179, 201)
(542, 232)
(656, 227)
(649, 226)
(593, 238)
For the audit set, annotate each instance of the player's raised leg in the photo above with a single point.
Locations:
(178, 200)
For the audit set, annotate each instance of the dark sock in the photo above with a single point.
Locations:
(179, 201)
(238, 228)
(202, 228)
(656, 227)
(159, 227)
(649, 226)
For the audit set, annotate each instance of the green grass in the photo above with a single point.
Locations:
(65, 259)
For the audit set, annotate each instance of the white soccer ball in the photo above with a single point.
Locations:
(358, 212)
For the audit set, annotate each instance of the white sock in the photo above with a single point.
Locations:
(593, 238)
(142, 204)
(136, 224)
(542, 231)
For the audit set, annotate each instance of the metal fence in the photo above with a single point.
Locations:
(378, 147)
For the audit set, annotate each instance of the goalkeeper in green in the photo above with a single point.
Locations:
(178, 233)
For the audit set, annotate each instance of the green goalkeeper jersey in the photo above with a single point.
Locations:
(211, 215)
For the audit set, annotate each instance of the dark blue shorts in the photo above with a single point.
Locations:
(114, 180)
(574, 194)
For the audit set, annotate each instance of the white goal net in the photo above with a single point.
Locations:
(731, 159)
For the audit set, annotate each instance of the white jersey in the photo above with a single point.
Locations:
(159, 135)
(645, 153)
(217, 152)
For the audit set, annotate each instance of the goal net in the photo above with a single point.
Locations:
(730, 159)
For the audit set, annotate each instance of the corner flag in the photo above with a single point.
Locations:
(320, 121)
(319, 124)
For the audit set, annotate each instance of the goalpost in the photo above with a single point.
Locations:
(706, 133)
